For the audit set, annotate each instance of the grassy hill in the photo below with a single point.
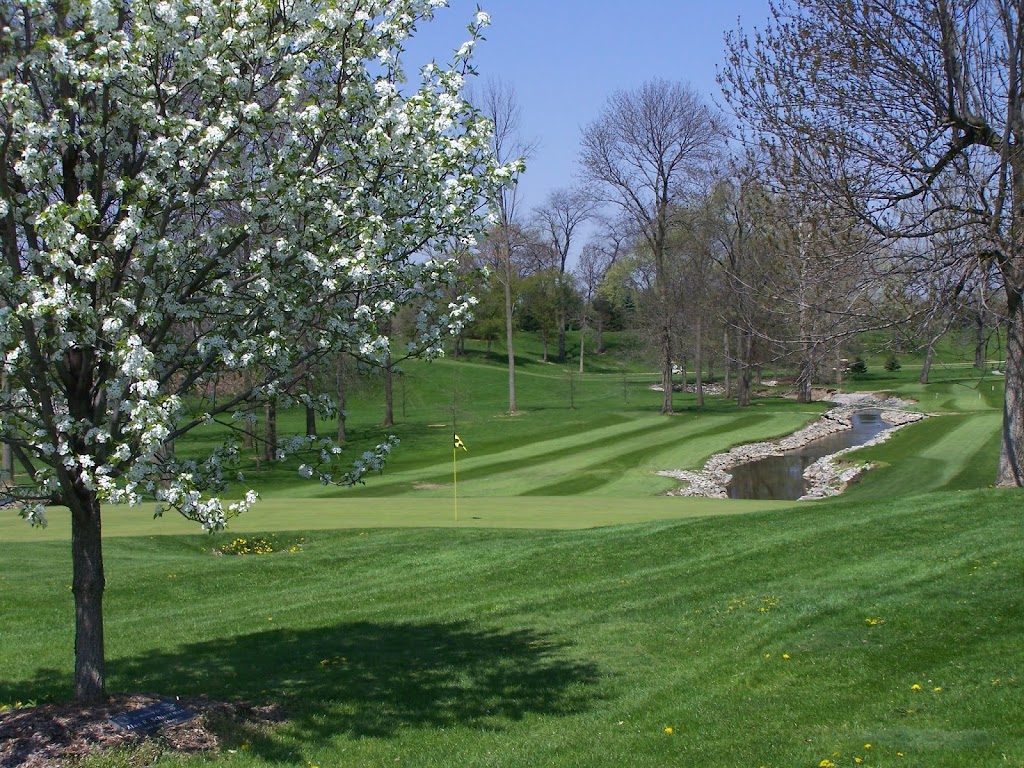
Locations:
(571, 615)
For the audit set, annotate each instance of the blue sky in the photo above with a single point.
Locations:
(565, 57)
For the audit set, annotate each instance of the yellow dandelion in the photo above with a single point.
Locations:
(786, 656)
(669, 730)
(867, 746)
(915, 687)
(858, 760)
(937, 688)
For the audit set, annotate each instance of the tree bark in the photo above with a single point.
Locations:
(926, 367)
(339, 395)
(805, 381)
(389, 394)
(980, 341)
(583, 336)
(7, 464)
(310, 421)
(698, 367)
(726, 366)
(88, 583)
(1011, 453)
(270, 432)
(507, 245)
(7, 458)
(745, 349)
(248, 437)
(666, 365)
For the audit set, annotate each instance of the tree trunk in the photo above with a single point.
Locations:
(310, 421)
(1011, 453)
(508, 328)
(561, 339)
(804, 382)
(544, 345)
(88, 583)
(726, 366)
(389, 394)
(666, 366)
(7, 458)
(248, 436)
(745, 348)
(980, 342)
(926, 367)
(339, 396)
(270, 432)
(6, 465)
(698, 367)
(583, 331)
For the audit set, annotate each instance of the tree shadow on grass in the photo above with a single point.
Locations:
(371, 680)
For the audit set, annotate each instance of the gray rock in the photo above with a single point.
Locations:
(825, 476)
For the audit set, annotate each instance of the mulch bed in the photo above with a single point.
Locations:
(52, 735)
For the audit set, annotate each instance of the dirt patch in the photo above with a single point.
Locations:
(428, 486)
(52, 735)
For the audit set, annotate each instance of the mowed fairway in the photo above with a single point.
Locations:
(570, 615)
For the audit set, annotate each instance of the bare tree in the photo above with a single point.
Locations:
(559, 219)
(746, 257)
(498, 102)
(644, 153)
(917, 104)
(614, 239)
(590, 273)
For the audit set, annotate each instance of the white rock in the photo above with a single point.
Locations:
(824, 477)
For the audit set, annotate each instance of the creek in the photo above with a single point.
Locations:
(782, 477)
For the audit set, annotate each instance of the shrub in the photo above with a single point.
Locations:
(892, 364)
(858, 367)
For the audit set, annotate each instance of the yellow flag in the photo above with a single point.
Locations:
(460, 444)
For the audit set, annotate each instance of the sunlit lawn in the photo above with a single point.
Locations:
(776, 638)
(555, 609)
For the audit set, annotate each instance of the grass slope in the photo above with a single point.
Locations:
(779, 638)
(572, 616)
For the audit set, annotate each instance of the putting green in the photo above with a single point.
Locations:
(552, 512)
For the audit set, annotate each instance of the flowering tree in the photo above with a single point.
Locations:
(190, 188)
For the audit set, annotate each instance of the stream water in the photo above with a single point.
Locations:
(782, 477)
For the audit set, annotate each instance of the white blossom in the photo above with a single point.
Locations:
(214, 255)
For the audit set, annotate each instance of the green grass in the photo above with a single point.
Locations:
(571, 614)
(573, 648)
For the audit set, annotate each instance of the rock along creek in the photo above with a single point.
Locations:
(782, 477)
(802, 465)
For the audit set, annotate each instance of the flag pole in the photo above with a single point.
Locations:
(456, 444)
(455, 470)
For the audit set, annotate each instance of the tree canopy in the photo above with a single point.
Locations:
(196, 187)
